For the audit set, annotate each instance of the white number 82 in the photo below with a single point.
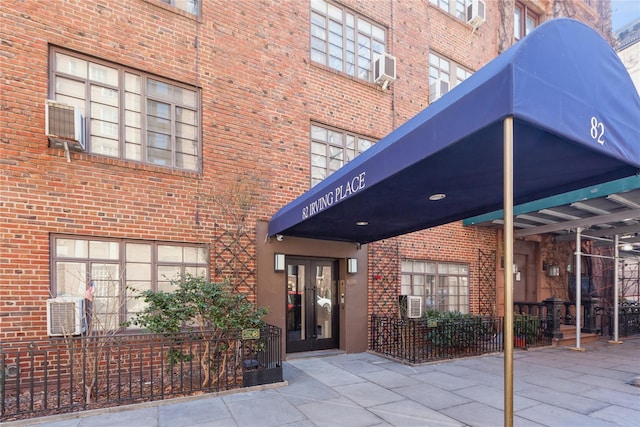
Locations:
(597, 130)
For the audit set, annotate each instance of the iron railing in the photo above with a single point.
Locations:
(595, 319)
(628, 320)
(424, 340)
(61, 375)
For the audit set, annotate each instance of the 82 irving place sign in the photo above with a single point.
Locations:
(342, 191)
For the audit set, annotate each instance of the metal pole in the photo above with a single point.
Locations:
(578, 286)
(615, 288)
(508, 272)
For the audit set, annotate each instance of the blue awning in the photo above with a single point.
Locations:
(576, 123)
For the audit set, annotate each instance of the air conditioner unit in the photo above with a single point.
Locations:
(410, 306)
(476, 13)
(384, 70)
(65, 316)
(64, 126)
(437, 89)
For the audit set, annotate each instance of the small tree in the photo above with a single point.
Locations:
(90, 354)
(206, 310)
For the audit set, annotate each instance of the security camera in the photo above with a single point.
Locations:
(279, 237)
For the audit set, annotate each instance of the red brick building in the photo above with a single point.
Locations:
(198, 120)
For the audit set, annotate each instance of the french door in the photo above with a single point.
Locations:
(312, 312)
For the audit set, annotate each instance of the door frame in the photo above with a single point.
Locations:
(310, 309)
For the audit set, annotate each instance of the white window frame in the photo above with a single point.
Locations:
(443, 286)
(343, 40)
(444, 68)
(116, 102)
(457, 8)
(190, 6)
(332, 148)
(78, 261)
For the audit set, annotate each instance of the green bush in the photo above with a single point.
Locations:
(527, 327)
(199, 310)
(456, 332)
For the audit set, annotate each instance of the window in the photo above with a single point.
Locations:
(130, 115)
(442, 286)
(445, 71)
(524, 21)
(190, 6)
(454, 7)
(343, 40)
(330, 149)
(115, 267)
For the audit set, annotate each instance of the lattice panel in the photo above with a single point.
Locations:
(384, 288)
(234, 261)
(487, 283)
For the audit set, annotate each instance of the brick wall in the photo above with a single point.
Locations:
(260, 91)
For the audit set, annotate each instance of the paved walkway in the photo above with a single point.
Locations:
(552, 387)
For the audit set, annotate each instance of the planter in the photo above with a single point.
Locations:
(261, 376)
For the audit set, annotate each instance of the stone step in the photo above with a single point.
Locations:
(569, 339)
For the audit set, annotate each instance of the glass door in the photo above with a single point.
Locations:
(311, 305)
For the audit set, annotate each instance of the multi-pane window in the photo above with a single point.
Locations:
(331, 149)
(444, 75)
(130, 115)
(343, 40)
(118, 271)
(442, 286)
(524, 21)
(454, 7)
(191, 6)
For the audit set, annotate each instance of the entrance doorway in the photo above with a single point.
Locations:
(524, 283)
(312, 313)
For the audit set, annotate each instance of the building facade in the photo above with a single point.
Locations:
(147, 139)
(628, 48)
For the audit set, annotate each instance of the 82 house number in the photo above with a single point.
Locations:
(597, 130)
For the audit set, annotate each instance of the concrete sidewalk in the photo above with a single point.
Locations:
(552, 387)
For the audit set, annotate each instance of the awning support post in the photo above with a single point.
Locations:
(578, 286)
(508, 273)
(616, 254)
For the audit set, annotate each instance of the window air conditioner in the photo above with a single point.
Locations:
(384, 70)
(64, 126)
(437, 89)
(476, 13)
(65, 316)
(410, 306)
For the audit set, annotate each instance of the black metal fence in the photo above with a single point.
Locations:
(53, 376)
(628, 320)
(423, 340)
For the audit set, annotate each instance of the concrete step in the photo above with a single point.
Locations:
(569, 339)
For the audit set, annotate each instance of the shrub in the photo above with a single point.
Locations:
(203, 310)
(456, 332)
(527, 327)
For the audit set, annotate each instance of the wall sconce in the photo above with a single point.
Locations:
(352, 265)
(553, 270)
(278, 262)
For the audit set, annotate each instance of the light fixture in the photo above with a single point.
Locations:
(623, 201)
(362, 223)
(627, 247)
(437, 196)
(553, 270)
(352, 265)
(589, 208)
(557, 214)
(278, 262)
